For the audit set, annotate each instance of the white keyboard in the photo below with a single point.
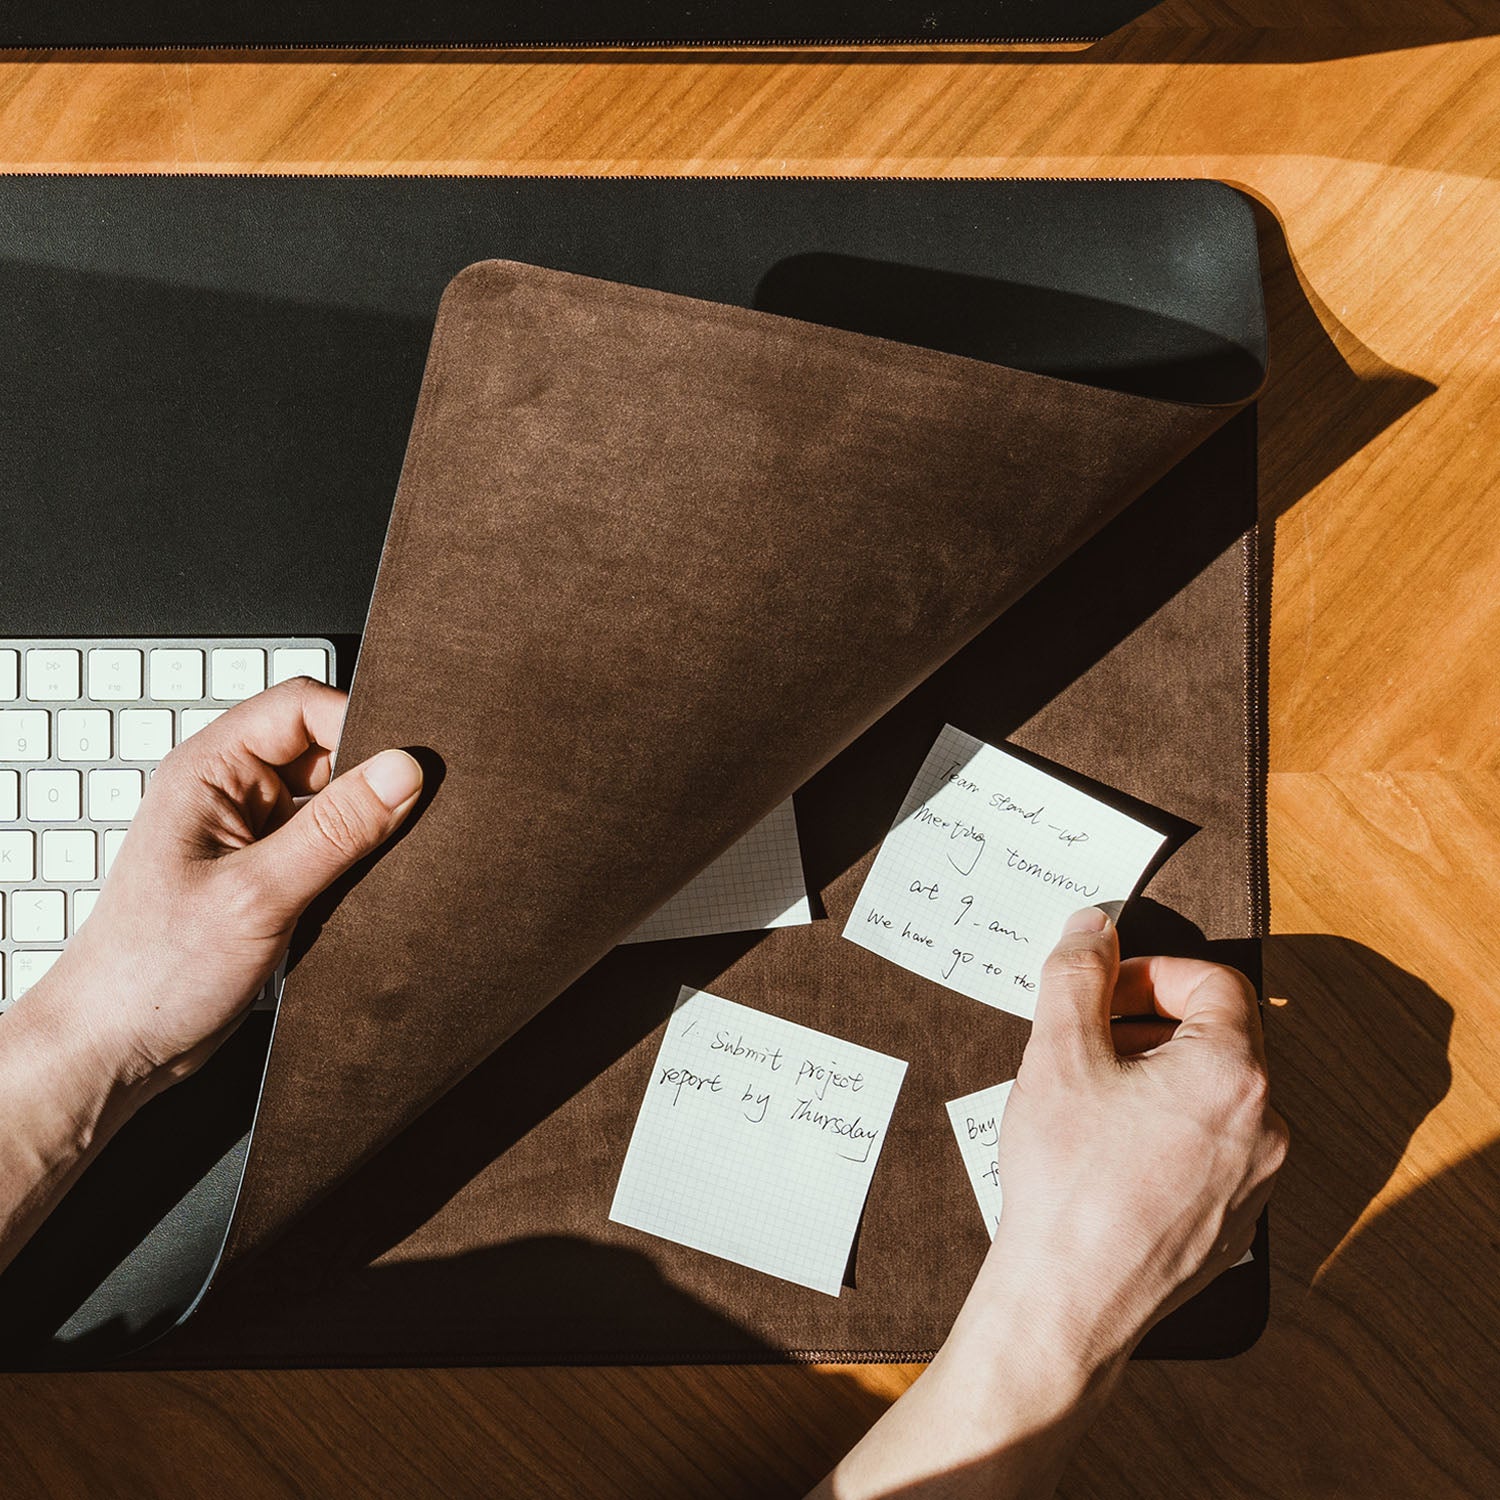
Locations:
(83, 723)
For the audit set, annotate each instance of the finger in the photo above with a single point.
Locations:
(1133, 995)
(1209, 1001)
(268, 795)
(1220, 999)
(309, 773)
(1077, 987)
(278, 726)
(350, 818)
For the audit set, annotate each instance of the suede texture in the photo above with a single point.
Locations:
(653, 564)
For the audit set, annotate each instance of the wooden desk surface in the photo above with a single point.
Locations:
(1373, 151)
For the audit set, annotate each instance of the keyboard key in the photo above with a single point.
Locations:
(297, 661)
(194, 719)
(83, 907)
(114, 674)
(177, 675)
(27, 968)
(83, 734)
(24, 734)
(10, 675)
(113, 798)
(54, 796)
(238, 672)
(10, 796)
(38, 917)
(145, 733)
(68, 855)
(17, 856)
(52, 675)
(113, 838)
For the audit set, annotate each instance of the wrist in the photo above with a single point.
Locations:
(71, 1023)
(1034, 1346)
(63, 1097)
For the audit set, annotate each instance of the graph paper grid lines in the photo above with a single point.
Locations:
(757, 1140)
(757, 883)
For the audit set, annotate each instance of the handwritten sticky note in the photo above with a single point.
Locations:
(976, 1124)
(757, 1140)
(985, 861)
(756, 883)
(976, 1121)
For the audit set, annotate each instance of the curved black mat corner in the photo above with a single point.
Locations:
(207, 367)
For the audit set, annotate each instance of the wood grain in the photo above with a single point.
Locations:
(1370, 138)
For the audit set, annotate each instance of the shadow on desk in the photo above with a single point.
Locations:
(1327, 396)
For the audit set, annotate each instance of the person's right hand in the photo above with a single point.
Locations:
(1135, 1158)
(1135, 1155)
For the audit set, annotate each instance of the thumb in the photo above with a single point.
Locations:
(1077, 989)
(351, 817)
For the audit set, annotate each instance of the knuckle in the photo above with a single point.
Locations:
(216, 761)
(1252, 1089)
(300, 688)
(202, 760)
(289, 695)
(1240, 1244)
(1241, 1098)
(1076, 964)
(1278, 1140)
(1232, 982)
(180, 787)
(176, 764)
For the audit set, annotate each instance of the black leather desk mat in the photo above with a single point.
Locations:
(205, 414)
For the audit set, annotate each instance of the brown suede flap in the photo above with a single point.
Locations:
(653, 562)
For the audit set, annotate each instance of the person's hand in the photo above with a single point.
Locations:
(1138, 1146)
(1135, 1157)
(220, 861)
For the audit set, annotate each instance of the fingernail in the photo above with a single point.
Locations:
(1089, 919)
(394, 777)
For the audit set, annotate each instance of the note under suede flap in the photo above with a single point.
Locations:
(652, 562)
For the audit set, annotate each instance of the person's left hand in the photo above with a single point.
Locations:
(218, 865)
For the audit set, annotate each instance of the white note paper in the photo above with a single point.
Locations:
(983, 865)
(976, 1121)
(976, 1124)
(757, 1140)
(756, 883)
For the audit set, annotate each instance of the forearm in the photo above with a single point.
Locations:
(996, 1414)
(61, 1097)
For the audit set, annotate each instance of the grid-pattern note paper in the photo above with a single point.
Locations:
(983, 865)
(976, 1123)
(757, 1140)
(756, 883)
